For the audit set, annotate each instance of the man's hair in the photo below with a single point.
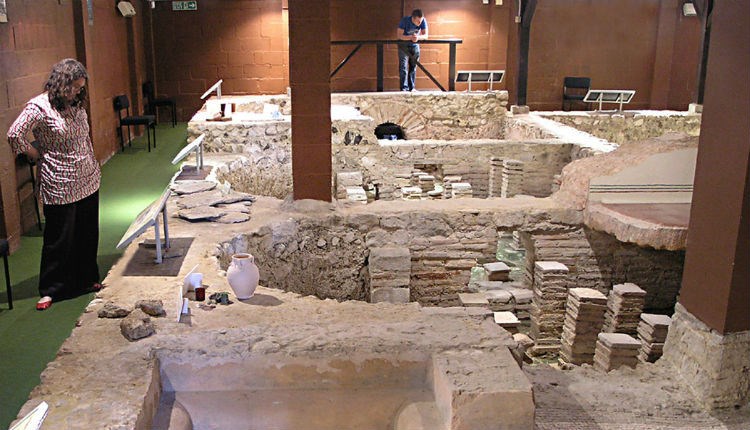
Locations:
(60, 83)
(417, 13)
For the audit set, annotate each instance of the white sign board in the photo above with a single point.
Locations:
(148, 217)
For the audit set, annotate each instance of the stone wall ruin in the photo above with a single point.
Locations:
(453, 134)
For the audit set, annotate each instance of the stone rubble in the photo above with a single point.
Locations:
(137, 325)
(154, 308)
(112, 310)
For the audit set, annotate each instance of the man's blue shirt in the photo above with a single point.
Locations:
(409, 28)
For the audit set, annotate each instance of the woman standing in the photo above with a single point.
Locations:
(69, 177)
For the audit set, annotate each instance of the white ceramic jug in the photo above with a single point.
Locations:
(243, 275)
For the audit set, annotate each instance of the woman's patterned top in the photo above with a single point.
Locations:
(68, 170)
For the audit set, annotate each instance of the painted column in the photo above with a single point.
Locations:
(709, 340)
(309, 67)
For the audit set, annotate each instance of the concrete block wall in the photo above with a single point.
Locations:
(597, 260)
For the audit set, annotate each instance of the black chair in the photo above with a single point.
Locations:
(574, 90)
(5, 251)
(149, 121)
(153, 103)
(22, 158)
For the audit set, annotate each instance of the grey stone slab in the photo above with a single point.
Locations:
(233, 218)
(192, 187)
(201, 213)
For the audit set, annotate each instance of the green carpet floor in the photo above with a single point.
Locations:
(29, 339)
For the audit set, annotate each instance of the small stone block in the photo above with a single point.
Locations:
(497, 266)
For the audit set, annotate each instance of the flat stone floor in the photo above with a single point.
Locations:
(666, 214)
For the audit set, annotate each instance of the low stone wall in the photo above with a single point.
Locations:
(324, 258)
(714, 366)
(435, 115)
(599, 261)
(471, 159)
(460, 132)
(631, 127)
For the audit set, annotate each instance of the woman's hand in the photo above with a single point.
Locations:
(32, 154)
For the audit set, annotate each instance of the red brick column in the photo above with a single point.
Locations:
(309, 67)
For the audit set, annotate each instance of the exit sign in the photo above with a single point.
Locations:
(184, 5)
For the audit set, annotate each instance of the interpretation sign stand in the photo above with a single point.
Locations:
(481, 76)
(194, 145)
(609, 96)
(148, 217)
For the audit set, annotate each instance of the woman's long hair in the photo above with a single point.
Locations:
(60, 84)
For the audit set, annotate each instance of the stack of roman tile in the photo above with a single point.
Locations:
(344, 180)
(448, 182)
(497, 271)
(614, 350)
(652, 332)
(507, 320)
(496, 177)
(550, 293)
(411, 193)
(624, 309)
(584, 318)
(390, 274)
(461, 190)
(356, 194)
(426, 183)
(512, 182)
